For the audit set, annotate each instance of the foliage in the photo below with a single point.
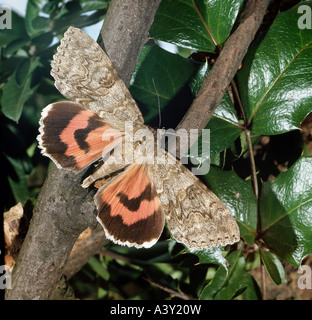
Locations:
(26, 86)
(274, 90)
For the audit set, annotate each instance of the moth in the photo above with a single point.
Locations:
(139, 197)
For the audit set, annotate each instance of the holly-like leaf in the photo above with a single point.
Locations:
(193, 23)
(224, 126)
(286, 212)
(227, 284)
(238, 196)
(275, 81)
(212, 255)
(158, 79)
(273, 266)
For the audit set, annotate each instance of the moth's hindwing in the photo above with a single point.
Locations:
(129, 209)
(73, 137)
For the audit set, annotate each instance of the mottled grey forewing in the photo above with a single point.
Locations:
(195, 215)
(83, 73)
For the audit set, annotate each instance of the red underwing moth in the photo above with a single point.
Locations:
(140, 196)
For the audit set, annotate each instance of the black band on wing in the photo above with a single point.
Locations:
(51, 140)
(140, 232)
(134, 204)
(82, 134)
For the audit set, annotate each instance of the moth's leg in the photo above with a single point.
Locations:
(102, 170)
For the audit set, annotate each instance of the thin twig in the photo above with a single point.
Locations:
(208, 30)
(158, 103)
(263, 283)
(240, 105)
(173, 292)
(225, 67)
(252, 164)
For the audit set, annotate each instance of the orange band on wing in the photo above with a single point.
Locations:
(144, 209)
(93, 139)
(129, 208)
(130, 196)
(73, 136)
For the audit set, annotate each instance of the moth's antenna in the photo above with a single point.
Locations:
(158, 102)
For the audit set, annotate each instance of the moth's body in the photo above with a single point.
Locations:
(143, 193)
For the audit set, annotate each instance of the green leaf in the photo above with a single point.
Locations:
(89, 5)
(14, 45)
(21, 71)
(275, 81)
(41, 24)
(212, 255)
(16, 32)
(99, 268)
(71, 14)
(222, 134)
(273, 266)
(227, 284)
(252, 291)
(7, 67)
(223, 125)
(43, 41)
(189, 23)
(286, 212)
(19, 89)
(33, 22)
(17, 179)
(159, 75)
(238, 196)
(199, 77)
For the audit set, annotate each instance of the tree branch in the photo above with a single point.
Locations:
(125, 31)
(225, 67)
(64, 209)
(89, 243)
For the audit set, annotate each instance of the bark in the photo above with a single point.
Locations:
(225, 67)
(126, 25)
(89, 243)
(64, 209)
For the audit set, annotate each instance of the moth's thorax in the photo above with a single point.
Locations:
(143, 141)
